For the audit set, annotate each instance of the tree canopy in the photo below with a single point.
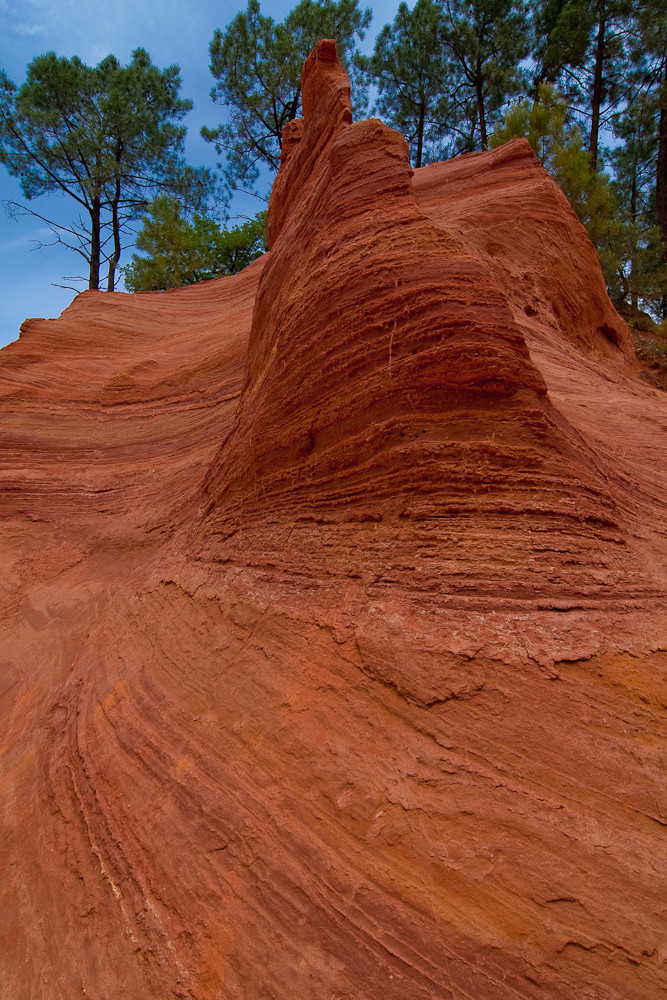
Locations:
(648, 53)
(486, 40)
(585, 80)
(411, 72)
(445, 70)
(179, 252)
(609, 59)
(257, 64)
(105, 136)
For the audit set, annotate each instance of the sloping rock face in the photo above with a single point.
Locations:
(333, 625)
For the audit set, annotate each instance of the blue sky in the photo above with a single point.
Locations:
(171, 32)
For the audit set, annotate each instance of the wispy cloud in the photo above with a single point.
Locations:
(36, 235)
(21, 28)
(29, 18)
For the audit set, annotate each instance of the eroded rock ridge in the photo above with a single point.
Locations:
(333, 658)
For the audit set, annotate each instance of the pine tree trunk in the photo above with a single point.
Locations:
(420, 136)
(115, 224)
(480, 109)
(94, 260)
(597, 87)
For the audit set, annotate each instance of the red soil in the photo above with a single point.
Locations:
(333, 658)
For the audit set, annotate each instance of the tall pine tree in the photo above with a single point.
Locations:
(257, 64)
(580, 45)
(649, 54)
(641, 273)
(412, 76)
(486, 41)
(107, 137)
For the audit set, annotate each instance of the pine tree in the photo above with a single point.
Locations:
(641, 275)
(580, 45)
(486, 41)
(412, 75)
(257, 63)
(562, 30)
(105, 136)
(649, 61)
(178, 252)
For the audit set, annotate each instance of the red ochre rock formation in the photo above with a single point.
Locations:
(333, 622)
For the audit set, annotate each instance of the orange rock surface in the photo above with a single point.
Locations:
(333, 658)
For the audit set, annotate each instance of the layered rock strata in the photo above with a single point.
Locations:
(333, 656)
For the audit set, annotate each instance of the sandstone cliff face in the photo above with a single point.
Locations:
(333, 658)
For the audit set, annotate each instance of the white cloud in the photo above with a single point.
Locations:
(29, 29)
(24, 240)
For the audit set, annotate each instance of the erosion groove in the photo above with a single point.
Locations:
(334, 661)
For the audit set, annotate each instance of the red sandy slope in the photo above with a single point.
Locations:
(333, 622)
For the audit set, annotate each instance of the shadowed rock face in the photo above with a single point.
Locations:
(333, 659)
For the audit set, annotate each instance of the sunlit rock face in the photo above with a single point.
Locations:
(333, 607)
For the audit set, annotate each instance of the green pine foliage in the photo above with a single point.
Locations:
(562, 34)
(581, 46)
(641, 278)
(257, 64)
(486, 42)
(107, 137)
(179, 252)
(445, 70)
(645, 123)
(411, 72)
(609, 60)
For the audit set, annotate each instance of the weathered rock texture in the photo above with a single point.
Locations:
(333, 624)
